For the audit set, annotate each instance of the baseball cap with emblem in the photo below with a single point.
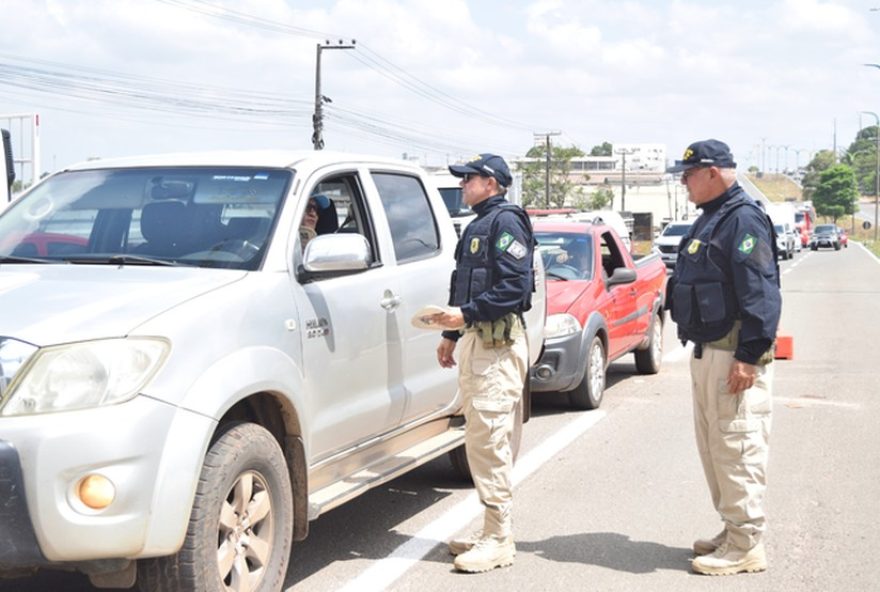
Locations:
(705, 153)
(486, 165)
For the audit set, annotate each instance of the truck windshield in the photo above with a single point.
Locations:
(676, 229)
(197, 216)
(566, 255)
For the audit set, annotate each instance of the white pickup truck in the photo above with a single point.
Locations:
(183, 387)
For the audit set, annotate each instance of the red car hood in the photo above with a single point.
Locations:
(562, 294)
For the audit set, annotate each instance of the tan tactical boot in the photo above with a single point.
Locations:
(728, 560)
(487, 553)
(464, 544)
(706, 546)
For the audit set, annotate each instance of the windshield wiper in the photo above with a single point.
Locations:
(19, 259)
(123, 260)
(556, 276)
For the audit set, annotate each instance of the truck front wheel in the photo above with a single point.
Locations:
(240, 530)
(588, 393)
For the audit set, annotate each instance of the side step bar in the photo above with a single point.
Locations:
(384, 469)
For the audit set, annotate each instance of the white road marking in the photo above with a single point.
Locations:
(865, 249)
(385, 572)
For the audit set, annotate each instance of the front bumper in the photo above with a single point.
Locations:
(18, 543)
(822, 242)
(561, 366)
(152, 452)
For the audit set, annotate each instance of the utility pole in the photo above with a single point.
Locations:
(762, 155)
(318, 117)
(546, 136)
(624, 152)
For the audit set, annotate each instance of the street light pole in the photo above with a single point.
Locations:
(318, 116)
(876, 173)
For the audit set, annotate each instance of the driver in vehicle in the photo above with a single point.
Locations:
(313, 222)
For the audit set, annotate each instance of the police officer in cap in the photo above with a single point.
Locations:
(724, 296)
(490, 289)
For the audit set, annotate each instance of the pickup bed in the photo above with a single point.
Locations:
(183, 387)
(601, 305)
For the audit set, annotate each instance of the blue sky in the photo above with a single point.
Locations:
(441, 80)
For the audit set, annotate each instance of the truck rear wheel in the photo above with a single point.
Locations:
(649, 359)
(588, 393)
(240, 530)
(458, 456)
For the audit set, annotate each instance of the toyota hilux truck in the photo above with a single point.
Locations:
(184, 387)
(601, 305)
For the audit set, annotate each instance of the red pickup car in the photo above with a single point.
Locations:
(601, 305)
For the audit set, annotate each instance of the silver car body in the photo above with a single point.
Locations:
(338, 358)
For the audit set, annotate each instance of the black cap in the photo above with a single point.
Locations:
(705, 153)
(486, 165)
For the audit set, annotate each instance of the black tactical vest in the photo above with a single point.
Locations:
(475, 257)
(704, 303)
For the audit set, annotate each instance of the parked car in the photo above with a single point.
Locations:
(844, 237)
(183, 394)
(785, 240)
(668, 241)
(825, 235)
(601, 305)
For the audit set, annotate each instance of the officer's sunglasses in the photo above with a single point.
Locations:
(468, 176)
(690, 172)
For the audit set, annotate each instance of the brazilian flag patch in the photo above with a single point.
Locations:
(747, 245)
(504, 241)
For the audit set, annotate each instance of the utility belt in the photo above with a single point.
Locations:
(729, 343)
(501, 332)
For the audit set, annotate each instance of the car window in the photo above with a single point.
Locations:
(676, 229)
(346, 208)
(413, 226)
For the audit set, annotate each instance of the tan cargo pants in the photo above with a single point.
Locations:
(491, 384)
(733, 433)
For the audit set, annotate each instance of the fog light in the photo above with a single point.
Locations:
(544, 372)
(96, 491)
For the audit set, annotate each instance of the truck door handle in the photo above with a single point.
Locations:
(390, 300)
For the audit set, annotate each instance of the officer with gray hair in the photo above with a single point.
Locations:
(724, 296)
(490, 289)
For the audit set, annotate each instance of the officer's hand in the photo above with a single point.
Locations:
(444, 353)
(741, 376)
(452, 320)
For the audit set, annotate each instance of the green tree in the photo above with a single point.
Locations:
(603, 149)
(837, 192)
(534, 176)
(823, 160)
(862, 157)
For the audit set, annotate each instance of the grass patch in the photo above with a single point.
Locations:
(777, 187)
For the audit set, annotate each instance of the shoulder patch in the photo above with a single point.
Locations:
(747, 244)
(504, 241)
(517, 249)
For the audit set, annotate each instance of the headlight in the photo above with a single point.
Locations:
(560, 325)
(13, 355)
(83, 375)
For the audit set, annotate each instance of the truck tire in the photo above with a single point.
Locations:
(588, 393)
(458, 456)
(240, 530)
(648, 360)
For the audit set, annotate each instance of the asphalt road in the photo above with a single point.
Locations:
(612, 499)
